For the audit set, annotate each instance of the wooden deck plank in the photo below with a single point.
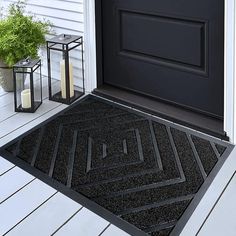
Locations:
(2, 92)
(7, 111)
(20, 205)
(222, 219)
(32, 123)
(24, 118)
(114, 231)
(5, 166)
(210, 197)
(13, 181)
(84, 223)
(49, 217)
(6, 99)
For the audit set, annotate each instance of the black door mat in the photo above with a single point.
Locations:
(139, 172)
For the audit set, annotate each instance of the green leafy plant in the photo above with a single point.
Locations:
(21, 34)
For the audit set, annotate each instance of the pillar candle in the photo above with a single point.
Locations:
(63, 79)
(26, 99)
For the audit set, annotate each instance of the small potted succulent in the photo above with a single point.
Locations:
(21, 36)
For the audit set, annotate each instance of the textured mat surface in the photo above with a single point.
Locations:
(142, 170)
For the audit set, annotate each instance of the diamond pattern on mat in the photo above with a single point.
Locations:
(142, 170)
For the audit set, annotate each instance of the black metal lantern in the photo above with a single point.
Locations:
(27, 85)
(64, 69)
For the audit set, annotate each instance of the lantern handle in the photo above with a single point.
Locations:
(26, 61)
(65, 37)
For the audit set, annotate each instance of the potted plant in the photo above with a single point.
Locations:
(21, 35)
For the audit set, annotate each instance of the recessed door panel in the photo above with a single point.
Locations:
(170, 50)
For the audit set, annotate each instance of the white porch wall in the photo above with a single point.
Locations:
(66, 17)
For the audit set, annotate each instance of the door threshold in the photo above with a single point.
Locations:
(197, 121)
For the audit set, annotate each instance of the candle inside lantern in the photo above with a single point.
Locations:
(26, 99)
(63, 80)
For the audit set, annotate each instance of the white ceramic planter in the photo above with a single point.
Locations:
(6, 78)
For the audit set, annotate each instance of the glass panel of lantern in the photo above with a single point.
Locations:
(65, 68)
(27, 85)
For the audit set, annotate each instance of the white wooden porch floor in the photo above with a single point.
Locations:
(30, 207)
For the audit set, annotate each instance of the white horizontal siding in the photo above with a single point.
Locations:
(66, 17)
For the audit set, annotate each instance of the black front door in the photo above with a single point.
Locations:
(167, 49)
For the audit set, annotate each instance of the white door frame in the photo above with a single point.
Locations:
(90, 45)
(230, 60)
(230, 70)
